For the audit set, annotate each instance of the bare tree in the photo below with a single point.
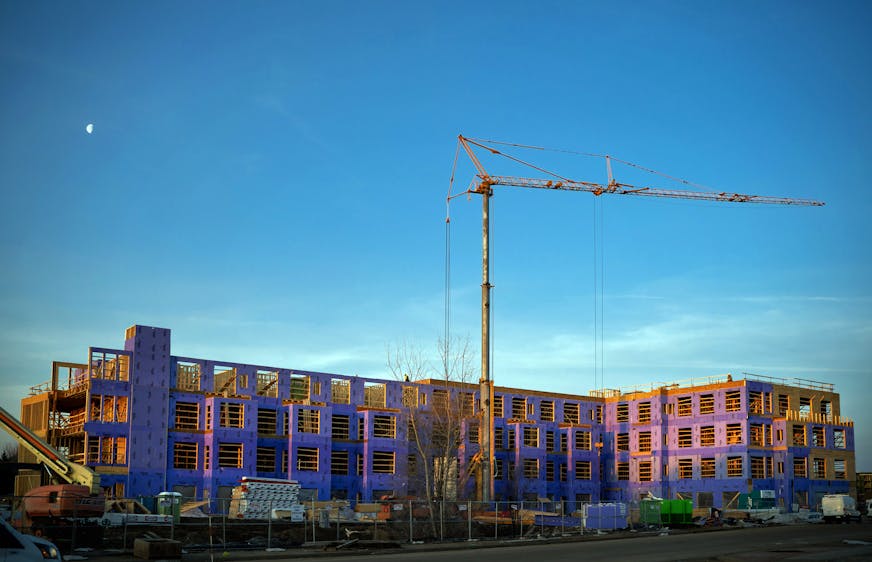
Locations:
(438, 418)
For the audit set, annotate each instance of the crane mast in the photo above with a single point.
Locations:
(483, 186)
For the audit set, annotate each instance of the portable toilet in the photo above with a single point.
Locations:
(170, 503)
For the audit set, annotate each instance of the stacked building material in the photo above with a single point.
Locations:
(260, 498)
(607, 516)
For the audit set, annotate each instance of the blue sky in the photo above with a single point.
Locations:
(268, 180)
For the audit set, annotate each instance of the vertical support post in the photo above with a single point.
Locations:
(497, 520)
(269, 525)
(172, 526)
(485, 470)
(313, 519)
(442, 520)
(411, 533)
(211, 547)
(468, 520)
(521, 519)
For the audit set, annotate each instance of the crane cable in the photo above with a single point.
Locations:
(595, 300)
(602, 285)
(447, 326)
(590, 154)
(598, 294)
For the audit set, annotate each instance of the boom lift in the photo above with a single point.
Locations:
(80, 496)
(483, 185)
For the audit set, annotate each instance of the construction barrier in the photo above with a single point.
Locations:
(262, 514)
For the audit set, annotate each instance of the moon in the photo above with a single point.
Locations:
(89, 128)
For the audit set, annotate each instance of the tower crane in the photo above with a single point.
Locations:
(483, 185)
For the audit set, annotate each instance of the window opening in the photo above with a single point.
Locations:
(267, 383)
(185, 456)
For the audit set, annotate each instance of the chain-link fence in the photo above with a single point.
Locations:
(224, 524)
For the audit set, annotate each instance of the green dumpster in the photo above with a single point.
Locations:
(677, 512)
(170, 503)
(649, 511)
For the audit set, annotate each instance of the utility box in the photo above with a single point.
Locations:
(157, 549)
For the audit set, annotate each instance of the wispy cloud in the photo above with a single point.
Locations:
(276, 104)
(799, 299)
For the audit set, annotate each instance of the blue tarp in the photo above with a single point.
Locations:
(557, 521)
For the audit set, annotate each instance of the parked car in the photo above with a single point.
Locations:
(18, 547)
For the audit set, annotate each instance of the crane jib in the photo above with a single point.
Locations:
(628, 189)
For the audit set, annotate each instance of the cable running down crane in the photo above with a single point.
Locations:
(483, 185)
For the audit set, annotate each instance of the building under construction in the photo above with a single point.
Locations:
(149, 421)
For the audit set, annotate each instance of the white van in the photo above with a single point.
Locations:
(17, 547)
(839, 507)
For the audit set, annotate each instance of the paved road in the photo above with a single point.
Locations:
(795, 542)
(805, 542)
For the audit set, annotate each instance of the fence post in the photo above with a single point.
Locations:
(211, 548)
(468, 520)
(157, 505)
(496, 520)
(269, 524)
(521, 519)
(442, 520)
(313, 519)
(562, 517)
(411, 532)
